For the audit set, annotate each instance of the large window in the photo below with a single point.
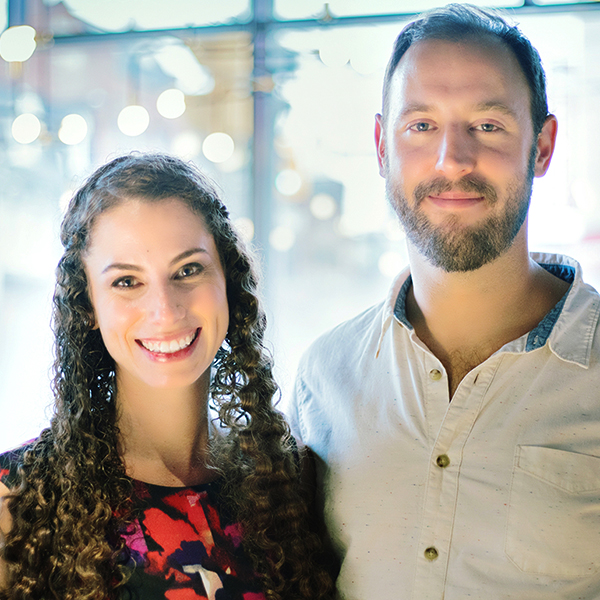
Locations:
(283, 123)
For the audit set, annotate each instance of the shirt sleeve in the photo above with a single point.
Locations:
(291, 410)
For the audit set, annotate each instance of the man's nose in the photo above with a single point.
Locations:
(456, 153)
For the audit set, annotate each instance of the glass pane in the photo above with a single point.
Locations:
(3, 14)
(292, 9)
(116, 15)
(339, 244)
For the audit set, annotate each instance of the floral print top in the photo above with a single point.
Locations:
(182, 545)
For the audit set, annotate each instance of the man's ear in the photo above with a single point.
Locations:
(380, 144)
(545, 145)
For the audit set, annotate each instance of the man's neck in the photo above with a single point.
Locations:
(464, 318)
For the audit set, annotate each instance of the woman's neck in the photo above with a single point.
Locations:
(164, 433)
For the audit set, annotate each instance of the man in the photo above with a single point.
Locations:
(457, 425)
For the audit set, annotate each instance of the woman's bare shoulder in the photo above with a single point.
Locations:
(3, 490)
(5, 523)
(5, 519)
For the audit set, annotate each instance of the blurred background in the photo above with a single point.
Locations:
(275, 100)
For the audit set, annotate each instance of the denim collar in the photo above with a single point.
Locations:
(538, 336)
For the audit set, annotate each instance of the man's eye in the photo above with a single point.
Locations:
(125, 282)
(488, 127)
(421, 126)
(188, 271)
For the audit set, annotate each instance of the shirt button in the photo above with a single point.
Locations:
(431, 553)
(442, 461)
(435, 374)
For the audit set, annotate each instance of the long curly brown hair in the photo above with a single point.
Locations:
(74, 497)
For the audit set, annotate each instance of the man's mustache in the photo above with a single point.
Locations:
(468, 183)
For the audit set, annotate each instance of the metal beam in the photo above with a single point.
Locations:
(267, 23)
(16, 12)
(263, 129)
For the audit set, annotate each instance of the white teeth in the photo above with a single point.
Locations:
(169, 347)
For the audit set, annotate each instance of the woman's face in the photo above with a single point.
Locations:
(158, 291)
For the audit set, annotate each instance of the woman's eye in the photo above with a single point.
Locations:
(188, 271)
(125, 282)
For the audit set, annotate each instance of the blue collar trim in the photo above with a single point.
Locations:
(538, 336)
(400, 306)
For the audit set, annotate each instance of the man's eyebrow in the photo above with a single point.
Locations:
(496, 106)
(421, 107)
(118, 266)
(415, 107)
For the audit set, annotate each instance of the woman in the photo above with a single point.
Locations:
(135, 491)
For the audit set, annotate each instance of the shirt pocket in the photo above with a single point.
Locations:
(554, 513)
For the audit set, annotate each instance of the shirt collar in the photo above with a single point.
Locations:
(568, 327)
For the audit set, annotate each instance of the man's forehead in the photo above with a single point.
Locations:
(460, 64)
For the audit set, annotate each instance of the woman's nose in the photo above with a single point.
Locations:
(164, 304)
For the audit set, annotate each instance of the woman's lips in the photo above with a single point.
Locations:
(174, 349)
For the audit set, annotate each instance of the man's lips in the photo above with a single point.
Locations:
(455, 199)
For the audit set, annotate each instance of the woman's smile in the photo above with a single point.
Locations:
(158, 291)
(174, 349)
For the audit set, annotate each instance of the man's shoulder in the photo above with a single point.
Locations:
(350, 337)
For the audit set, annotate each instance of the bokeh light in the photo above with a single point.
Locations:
(282, 238)
(333, 53)
(288, 182)
(17, 44)
(133, 120)
(186, 144)
(390, 263)
(323, 206)
(171, 103)
(218, 147)
(73, 130)
(26, 128)
(245, 227)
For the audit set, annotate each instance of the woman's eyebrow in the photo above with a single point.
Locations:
(188, 253)
(121, 267)
(118, 266)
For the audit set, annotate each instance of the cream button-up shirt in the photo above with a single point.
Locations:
(492, 496)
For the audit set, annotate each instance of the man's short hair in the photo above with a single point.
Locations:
(463, 22)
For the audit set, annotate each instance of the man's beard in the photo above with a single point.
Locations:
(453, 247)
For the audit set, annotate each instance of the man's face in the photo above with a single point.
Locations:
(457, 151)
